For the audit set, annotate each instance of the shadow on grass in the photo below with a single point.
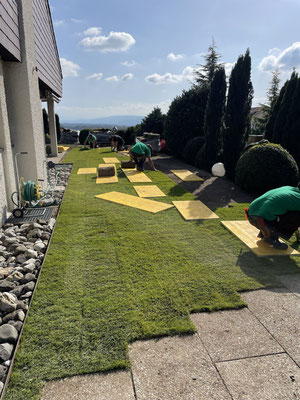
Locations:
(265, 269)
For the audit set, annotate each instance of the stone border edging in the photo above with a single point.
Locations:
(9, 372)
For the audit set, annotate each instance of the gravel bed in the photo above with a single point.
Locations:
(22, 251)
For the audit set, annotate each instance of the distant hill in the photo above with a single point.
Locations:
(121, 121)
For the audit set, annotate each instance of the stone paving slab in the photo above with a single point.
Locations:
(229, 335)
(175, 368)
(279, 311)
(292, 282)
(110, 386)
(274, 377)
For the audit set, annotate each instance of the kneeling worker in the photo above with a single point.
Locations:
(138, 153)
(276, 213)
(92, 140)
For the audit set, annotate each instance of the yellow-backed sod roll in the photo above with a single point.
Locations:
(106, 171)
(127, 164)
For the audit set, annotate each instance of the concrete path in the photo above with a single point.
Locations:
(247, 354)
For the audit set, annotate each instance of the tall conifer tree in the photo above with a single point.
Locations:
(283, 118)
(205, 75)
(214, 116)
(269, 131)
(237, 114)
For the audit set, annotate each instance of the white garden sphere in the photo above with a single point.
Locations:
(218, 169)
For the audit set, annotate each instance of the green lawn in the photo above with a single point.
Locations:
(114, 274)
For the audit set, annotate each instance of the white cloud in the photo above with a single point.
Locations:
(69, 68)
(77, 21)
(274, 52)
(96, 76)
(58, 22)
(284, 60)
(131, 63)
(228, 67)
(175, 57)
(268, 63)
(187, 74)
(115, 78)
(257, 101)
(127, 77)
(93, 31)
(114, 42)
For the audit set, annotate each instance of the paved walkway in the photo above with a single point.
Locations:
(247, 354)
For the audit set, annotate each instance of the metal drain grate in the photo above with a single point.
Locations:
(32, 215)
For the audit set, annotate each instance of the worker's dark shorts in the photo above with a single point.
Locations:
(138, 156)
(284, 225)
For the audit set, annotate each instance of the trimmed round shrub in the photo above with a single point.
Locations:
(265, 167)
(191, 149)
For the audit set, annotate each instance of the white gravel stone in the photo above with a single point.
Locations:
(8, 302)
(8, 334)
(31, 253)
(6, 350)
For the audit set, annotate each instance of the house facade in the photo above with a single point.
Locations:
(30, 73)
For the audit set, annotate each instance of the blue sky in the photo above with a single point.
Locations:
(127, 57)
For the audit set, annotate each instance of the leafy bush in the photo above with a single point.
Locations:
(83, 135)
(185, 119)
(129, 135)
(191, 149)
(154, 122)
(265, 167)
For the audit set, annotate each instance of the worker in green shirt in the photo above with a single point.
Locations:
(92, 140)
(276, 213)
(138, 153)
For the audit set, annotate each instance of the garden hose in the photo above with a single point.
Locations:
(30, 191)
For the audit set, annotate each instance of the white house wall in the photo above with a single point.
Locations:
(6, 166)
(3, 200)
(21, 122)
(23, 102)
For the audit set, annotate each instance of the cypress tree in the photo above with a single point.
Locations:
(286, 129)
(266, 109)
(269, 131)
(237, 114)
(292, 139)
(214, 116)
(45, 121)
(57, 124)
(284, 116)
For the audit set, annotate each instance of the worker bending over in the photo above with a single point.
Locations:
(117, 143)
(276, 213)
(138, 153)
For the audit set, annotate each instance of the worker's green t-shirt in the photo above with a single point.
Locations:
(92, 138)
(141, 148)
(276, 202)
